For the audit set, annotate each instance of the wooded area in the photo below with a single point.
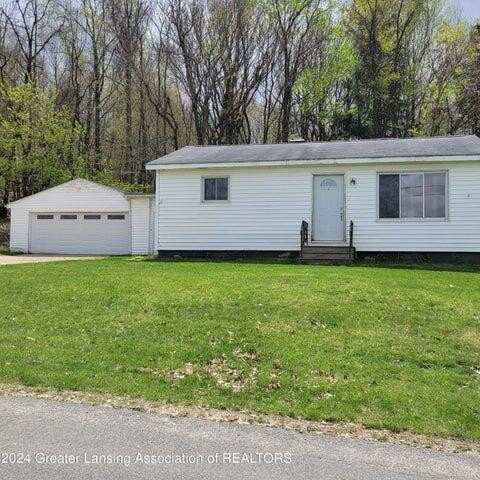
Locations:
(97, 88)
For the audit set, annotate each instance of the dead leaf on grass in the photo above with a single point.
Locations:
(230, 377)
(247, 356)
(146, 370)
(329, 377)
(186, 371)
(274, 385)
(324, 396)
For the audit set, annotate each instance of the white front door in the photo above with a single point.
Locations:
(328, 223)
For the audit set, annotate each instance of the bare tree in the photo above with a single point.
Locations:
(297, 26)
(156, 81)
(34, 24)
(193, 56)
(93, 21)
(245, 57)
(128, 21)
(221, 53)
(7, 51)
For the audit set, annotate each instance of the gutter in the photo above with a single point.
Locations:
(313, 162)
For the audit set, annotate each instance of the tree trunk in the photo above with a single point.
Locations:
(97, 98)
(286, 108)
(128, 170)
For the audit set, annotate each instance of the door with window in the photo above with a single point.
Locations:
(328, 208)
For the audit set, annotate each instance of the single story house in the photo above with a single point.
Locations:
(387, 195)
(320, 199)
(83, 217)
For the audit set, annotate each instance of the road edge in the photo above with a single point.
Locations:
(348, 430)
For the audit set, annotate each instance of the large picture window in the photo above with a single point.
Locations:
(412, 195)
(215, 189)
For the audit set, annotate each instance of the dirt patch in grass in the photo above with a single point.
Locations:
(231, 377)
(350, 430)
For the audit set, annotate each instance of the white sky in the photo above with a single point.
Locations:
(470, 8)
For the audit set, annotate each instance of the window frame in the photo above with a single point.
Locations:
(202, 189)
(446, 218)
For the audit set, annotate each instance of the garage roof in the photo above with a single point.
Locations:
(73, 183)
(458, 146)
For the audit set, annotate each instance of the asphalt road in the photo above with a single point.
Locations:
(40, 433)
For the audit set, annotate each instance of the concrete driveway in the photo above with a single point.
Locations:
(47, 439)
(16, 259)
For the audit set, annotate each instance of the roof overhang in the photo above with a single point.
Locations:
(314, 162)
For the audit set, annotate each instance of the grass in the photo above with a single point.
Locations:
(397, 348)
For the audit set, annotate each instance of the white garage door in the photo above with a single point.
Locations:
(80, 233)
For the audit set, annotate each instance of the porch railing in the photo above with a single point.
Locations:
(303, 236)
(350, 243)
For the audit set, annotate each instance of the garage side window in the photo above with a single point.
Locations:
(68, 217)
(44, 217)
(92, 217)
(215, 189)
(116, 217)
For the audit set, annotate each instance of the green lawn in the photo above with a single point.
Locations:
(387, 347)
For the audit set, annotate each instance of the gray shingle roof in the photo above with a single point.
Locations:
(355, 149)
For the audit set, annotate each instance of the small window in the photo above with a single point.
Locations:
(412, 195)
(116, 217)
(328, 183)
(68, 217)
(44, 217)
(215, 189)
(92, 217)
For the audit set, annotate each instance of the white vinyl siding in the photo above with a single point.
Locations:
(142, 230)
(266, 207)
(260, 214)
(151, 225)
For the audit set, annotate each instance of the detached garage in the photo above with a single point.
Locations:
(83, 217)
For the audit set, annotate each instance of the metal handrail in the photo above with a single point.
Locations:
(303, 237)
(350, 245)
(304, 234)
